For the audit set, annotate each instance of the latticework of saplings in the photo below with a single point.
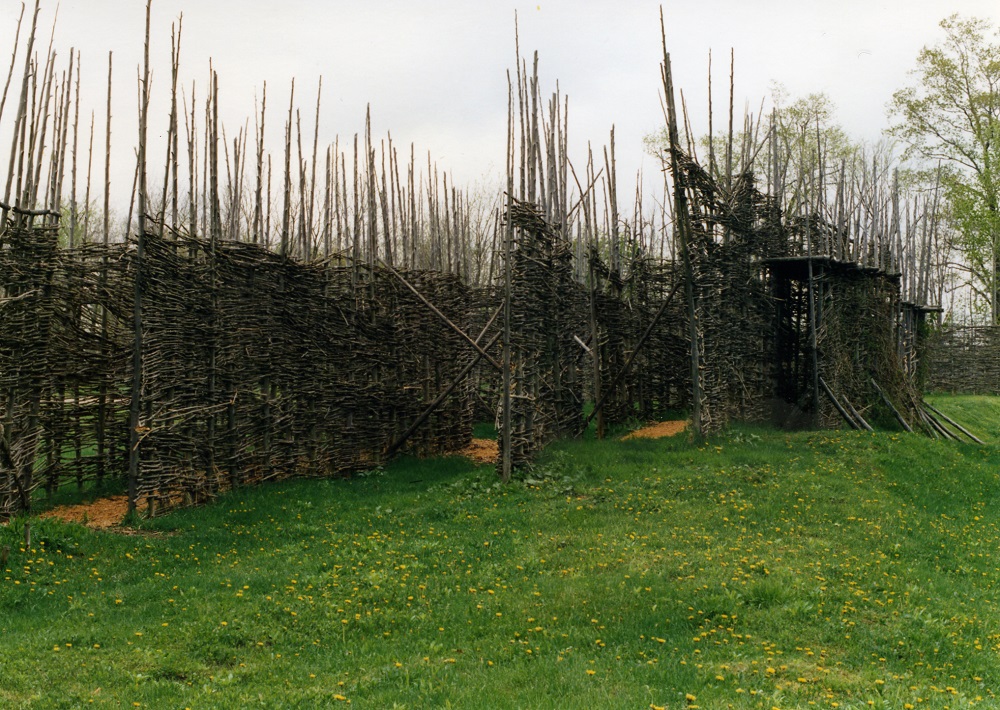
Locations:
(63, 363)
(255, 366)
(964, 360)
(656, 383)
(776, 314)
(548, 311)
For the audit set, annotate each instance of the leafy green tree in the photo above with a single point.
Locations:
(811, 145)
(952, 116)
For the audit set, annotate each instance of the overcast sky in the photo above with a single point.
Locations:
(435, 72)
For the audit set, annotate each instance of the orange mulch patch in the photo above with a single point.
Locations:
(481, 451)
(101, 514)
(656, 431)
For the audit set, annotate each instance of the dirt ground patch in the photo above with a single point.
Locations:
(481, 451)
(101, 514)
(658, 430)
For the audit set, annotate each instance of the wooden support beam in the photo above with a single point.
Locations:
(839, 407)
(857, 415)
(953, 423)
(889, 404)
(28, 213)
(925, 422)
(941, 428)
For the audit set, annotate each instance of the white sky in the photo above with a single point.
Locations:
(435, 72)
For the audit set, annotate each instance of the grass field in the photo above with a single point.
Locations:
(761, 569)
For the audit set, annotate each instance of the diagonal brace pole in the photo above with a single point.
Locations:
(443, 317)
(438, 400)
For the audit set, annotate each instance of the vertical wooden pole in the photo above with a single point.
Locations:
(215, 235)
(303, 239)
(176, 126)
(327, 197)
(86, 193)
(387, 224)
(192, 141)
(73, 210)
(505, 433)
(136, 394)
(102, 399)
(711, 132)
(681, 216)
(729, 143)
(171, 131)
(62, 135)
(811, 295)
(22, 108)
(37, 144)
(612, 182)
(312, 183)
(258, 203)
(595, 342)
(13, 61)
(371, 211)
(287, 205)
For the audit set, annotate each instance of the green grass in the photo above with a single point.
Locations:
(760, 569)
(485, 431)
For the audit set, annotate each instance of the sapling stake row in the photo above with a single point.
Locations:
(247, 326)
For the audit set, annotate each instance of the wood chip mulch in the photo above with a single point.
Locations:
(659, 430)
(101, 514)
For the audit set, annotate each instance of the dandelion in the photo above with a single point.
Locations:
(591, 671)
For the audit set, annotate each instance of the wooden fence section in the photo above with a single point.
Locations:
(964, 360)
(255, 366)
